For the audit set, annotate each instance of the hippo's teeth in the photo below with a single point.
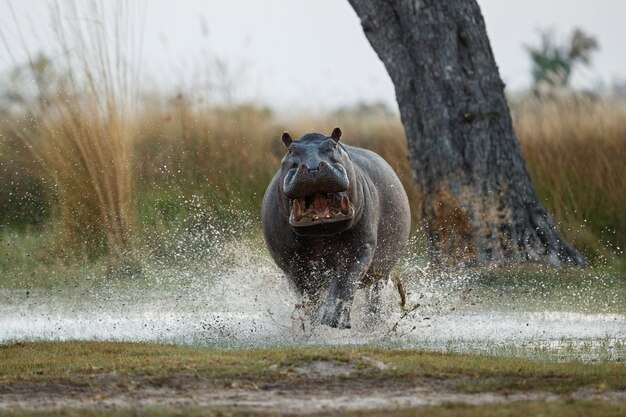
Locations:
(297, 211)
(345, 205)
(328, 216)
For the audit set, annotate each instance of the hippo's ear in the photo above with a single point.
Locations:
(336, 134)
(286, 137)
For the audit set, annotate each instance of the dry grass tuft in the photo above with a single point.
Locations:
(225, 154)
(78, 122)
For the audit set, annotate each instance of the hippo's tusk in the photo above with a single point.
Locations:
(297, 211)
(345, 205)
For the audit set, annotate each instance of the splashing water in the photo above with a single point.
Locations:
(235, 296)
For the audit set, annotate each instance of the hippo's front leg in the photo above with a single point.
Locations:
(336, 311)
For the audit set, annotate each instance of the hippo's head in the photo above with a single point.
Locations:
(317, 181)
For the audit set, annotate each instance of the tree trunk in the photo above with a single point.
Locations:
(478, 204)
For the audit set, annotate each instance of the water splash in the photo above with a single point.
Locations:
(231, 294)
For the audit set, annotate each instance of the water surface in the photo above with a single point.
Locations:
(242, 300)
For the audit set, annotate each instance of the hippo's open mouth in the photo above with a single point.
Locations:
(320, 208)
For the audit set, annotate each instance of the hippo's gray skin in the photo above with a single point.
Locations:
(335, 216)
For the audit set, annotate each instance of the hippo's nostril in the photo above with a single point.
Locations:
(323, 165)
(303, 166)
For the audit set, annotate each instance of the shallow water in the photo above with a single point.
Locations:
(242, 300)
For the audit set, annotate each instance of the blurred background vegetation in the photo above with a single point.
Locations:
(92, 169)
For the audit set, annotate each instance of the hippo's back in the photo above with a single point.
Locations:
(391, 207)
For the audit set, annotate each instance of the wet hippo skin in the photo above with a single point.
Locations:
(335, 218)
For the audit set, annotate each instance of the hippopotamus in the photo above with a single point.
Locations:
(336, 218)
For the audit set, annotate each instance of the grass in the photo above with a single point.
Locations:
(533, 288)
(79, 360)
(574, 150)
(74, 117)
(185, 153)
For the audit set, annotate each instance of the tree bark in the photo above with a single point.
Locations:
(478, 204)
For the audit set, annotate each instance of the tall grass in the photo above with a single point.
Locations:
(224, 154)
(223, 158)
(229, 154)
(78, 122)
(575, 149)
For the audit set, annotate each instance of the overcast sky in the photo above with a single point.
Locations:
(311, 54)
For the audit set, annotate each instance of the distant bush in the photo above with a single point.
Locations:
(25, 191)
(553, 63)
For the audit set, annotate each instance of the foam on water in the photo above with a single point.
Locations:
(230, 293)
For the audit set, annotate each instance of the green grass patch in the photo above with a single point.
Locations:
(540, 288)
(79, 361)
